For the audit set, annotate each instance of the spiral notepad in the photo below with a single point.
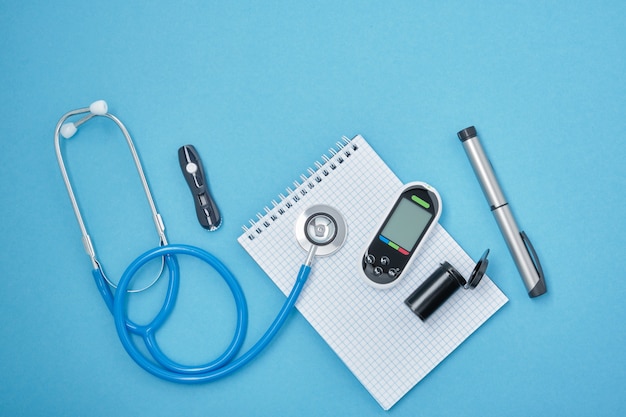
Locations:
(387, 347)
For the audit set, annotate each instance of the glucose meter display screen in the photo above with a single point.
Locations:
(406, 224)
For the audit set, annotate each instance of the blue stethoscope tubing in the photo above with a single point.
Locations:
(164, 367)
(161, 365)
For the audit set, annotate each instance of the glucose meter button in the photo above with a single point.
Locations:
(369, 259)
(393, 272)
(378, 271)
(384, 261)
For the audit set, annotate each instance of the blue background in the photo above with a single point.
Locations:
(262, 89)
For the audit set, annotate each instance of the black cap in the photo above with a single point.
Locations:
(467, 133)
(479, 271)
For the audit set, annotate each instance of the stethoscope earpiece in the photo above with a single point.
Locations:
(99, 108)
(68, 130)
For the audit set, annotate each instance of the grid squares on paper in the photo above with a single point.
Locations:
(379, 339)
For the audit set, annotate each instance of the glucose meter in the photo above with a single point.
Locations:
(407, 224)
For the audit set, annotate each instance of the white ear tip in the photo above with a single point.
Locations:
(99, 108)
(68, 130)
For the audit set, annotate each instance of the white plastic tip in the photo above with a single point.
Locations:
(68, 130)
(99, 108)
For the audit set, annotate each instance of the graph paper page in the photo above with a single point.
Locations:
(385, 345)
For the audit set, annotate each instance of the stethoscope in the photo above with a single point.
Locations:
(320, 230)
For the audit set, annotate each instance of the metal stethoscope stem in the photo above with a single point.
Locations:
(100, 109)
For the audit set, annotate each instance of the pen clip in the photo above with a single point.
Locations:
(533, 255)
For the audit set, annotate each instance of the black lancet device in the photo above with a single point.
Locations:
(206, 209)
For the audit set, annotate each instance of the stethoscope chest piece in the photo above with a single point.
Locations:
(320, 229)
(322, 226)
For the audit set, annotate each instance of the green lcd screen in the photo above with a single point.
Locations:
(406, 224)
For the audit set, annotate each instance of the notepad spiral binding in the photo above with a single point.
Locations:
(294, 196)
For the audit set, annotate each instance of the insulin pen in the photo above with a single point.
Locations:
(519, 245)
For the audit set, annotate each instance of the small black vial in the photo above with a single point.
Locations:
(433, 292)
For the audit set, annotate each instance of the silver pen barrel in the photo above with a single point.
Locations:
(484, 172)
(533, 279)
(519, 245)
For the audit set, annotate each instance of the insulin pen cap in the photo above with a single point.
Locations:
(467, 133)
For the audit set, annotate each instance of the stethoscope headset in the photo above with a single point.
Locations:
(320, 230)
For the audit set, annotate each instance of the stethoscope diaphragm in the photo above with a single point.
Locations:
(322, 226)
